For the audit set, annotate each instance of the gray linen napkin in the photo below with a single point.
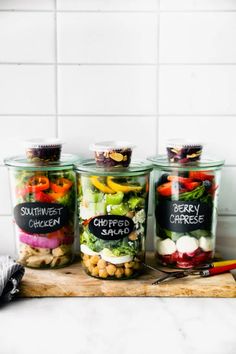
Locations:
(11, 274)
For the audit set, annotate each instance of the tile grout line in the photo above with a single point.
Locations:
(55, 69)
(116, 64)
(75, 115)
(200, 11)
(81, 11)
(114, 115)
(78, 64)
(121, 11)
(197, 64)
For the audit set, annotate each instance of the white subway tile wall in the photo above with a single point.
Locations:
(140, 70)
(26, 37)
(107, 90)
(27, 89)
(99, 37)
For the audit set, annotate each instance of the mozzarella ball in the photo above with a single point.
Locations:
(206, 244)
(187, 244)
(166, 246)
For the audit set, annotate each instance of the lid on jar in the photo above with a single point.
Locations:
(43, 150)
(109, 154)
(162, 162)
(135, 168)
(183, 150)
(21, 162)
(39, 143)
(106, 146)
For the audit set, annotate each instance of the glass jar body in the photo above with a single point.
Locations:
(44, 208)
(186, 215)
(112, 213)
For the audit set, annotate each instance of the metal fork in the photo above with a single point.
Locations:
(171, 274)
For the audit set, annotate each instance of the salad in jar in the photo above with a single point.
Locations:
(186, 212)
(44, 208)
(112, 208)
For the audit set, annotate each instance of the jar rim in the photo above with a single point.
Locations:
(21, 162)
(162, 161)
(137, 167)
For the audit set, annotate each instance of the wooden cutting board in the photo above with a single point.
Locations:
(72, 281)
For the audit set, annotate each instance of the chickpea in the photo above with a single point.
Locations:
(133, 236)
(101, 264)
(87, 263)
(94, 259)
(85, 256)
(111, 269)
(103, 273)
(130, 214)
(129, 264)
(128, 272)
(95, 271)
(119, 272)
(90, 268)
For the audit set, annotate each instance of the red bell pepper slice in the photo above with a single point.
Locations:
(86, 222)
(61, 185)
(56, 196)
(37, 183)
(43, 197)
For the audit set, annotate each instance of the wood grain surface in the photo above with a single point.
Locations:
(73, 281)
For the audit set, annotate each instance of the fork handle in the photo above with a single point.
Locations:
(217, 270)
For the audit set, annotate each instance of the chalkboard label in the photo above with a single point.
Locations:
(111, 227)
(41, 218)
(179, 216)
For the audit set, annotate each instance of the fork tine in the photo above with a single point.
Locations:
(159, 269)
(162, 278)
(174, 275)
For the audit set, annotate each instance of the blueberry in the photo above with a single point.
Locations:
(206, 184)
(162, 179)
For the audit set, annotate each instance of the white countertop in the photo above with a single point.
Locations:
(118, 326)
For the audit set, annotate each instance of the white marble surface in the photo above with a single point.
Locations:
(118, 326)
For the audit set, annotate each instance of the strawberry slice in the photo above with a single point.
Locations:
(190, 186)
(188, 183)
(165, 189)
(168, 258)
(179, 179)
(170, 188)
(202, 257)
(200, 175)
(213, 189)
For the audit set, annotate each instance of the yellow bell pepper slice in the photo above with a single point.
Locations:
(101, 186)
(122, 187)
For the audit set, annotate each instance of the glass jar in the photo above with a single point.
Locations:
(186, 211)
(112, 211)
(44, 208)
